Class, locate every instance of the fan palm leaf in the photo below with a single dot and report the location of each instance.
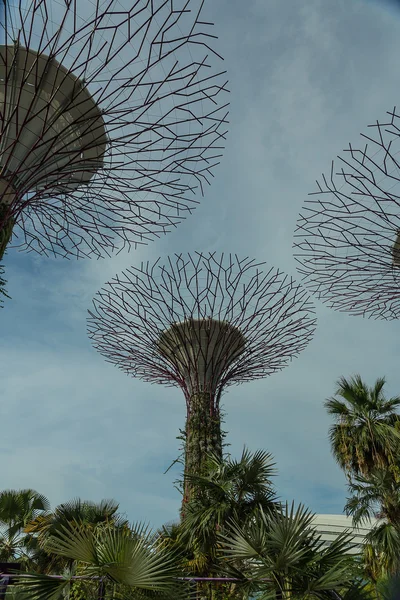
(285, 551)
(19, 507)
(75, 511)
(229, 489)
(127, 558)
(42, 587)
(277, 539)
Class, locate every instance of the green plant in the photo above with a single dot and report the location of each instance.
(17, 509)
(364, 435)
(285, 557)
(228, 489)
(129, 560)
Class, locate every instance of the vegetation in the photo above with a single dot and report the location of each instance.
(284, 549)
(229, 490)
(93, 542)
(365, 443)
(6, 229)
(203, 435)
(234, 526)
(5, 236)
(17, 510)
(364, 435)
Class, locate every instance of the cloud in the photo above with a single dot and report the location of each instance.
(305, 79)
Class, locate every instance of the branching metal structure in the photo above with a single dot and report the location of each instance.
(201, 322)
(347, 240)
(112, 118)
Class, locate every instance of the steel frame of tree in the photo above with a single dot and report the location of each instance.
(347, 239)
(112, 118)
(201, 322)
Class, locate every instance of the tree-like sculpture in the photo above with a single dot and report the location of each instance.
(110, 121)
(347, 240)
(201, 322)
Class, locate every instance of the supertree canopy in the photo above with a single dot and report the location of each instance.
(201, 322)
(347, 240)
(112, 117)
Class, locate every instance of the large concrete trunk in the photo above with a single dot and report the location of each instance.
(201, 352)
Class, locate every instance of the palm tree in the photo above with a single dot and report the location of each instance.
(285, 557)
(75, 511)
(229, 489)
(17, 509)
(364, 435)
(378, 495)
(128, 562)
(46, 526)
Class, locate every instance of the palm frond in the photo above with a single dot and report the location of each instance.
(126, 557)
(42, 587)
(74, 541)
(21, 505)
(336, 407)
(385, 538)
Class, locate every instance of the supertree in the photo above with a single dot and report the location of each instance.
(201, 322)
(110, 121)
(347, 241)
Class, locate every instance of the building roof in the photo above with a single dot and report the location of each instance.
(330, 526)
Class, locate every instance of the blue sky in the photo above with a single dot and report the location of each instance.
(305, 79)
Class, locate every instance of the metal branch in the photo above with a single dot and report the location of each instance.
(268, 308)
(201, 322)
(112, 119)
(347, 239)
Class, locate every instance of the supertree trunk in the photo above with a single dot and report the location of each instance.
(203, 435)
(5, 231)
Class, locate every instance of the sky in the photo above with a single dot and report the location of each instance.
(305, 79)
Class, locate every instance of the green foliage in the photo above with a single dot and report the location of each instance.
(203, 435)
(123, 556)
(235, 527)
(92, 515)
(229, 490)
(378, 493)
(286, 557)
(5, 236)
(366, 443)
(179, 483)
(76, 511)
(364, 435)
(17, 509)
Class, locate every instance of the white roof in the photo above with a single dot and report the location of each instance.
(330, 526)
